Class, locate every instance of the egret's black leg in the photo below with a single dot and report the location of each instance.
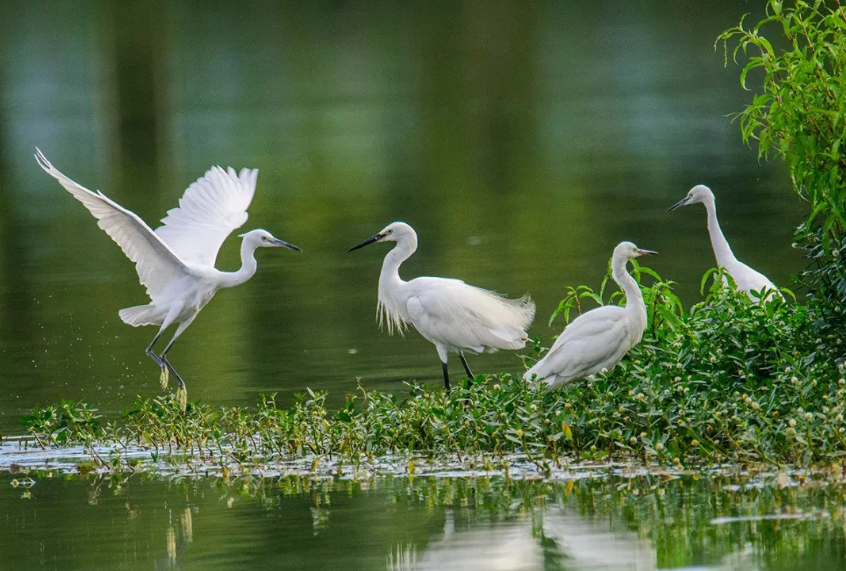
(170, 367)
(446, 377)
(152, 355)
(182, 327)
(159, 361)
(173, 372)
(466, 367)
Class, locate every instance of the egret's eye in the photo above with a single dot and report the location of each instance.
(389, 231)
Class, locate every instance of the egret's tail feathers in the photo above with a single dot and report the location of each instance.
(517, 336)
(523, 308)
(499, 311)
(532, 374)
(540, 375)
(139, 315)
(506, 319)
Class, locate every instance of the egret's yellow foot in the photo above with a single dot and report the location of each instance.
(164, 378)
(182, 397)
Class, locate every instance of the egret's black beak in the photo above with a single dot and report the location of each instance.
(283, 244)
(681, 202)
(647, 252)
(370, 240)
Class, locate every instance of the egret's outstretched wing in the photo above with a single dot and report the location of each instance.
(156, 264)
(211, 208)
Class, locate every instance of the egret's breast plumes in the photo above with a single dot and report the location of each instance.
(390, 316)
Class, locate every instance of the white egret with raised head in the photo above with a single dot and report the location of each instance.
(598, 339)
(747, 279)
(454, 316)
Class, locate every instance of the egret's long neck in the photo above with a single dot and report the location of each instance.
(406, 246)
(634, 299)
(722, 250)
(248, 266)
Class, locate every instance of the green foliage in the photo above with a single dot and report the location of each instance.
(799, 115)
(68, 423)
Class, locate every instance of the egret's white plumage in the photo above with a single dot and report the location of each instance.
(599, 338)
(451, 314)
(175, 263)
(210, 209)
(747, 279)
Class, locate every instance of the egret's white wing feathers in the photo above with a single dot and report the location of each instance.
(748, 279)
(209, 210)
(156, 264)
(465, 317)
(587, 346)
(601, 337)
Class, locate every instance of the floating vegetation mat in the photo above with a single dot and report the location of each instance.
(634, 417)
(22, 456)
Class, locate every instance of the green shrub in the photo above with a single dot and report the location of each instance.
(798, 113)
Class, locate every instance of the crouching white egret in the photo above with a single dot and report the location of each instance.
(747, 279)
(599, 338)
(451, 314)
(176, 261)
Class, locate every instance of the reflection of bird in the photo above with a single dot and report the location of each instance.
(176, 262)
(449, 313)
(595, 543)
(508, 545)
(598, 339)
(747, 279)
(548, 539)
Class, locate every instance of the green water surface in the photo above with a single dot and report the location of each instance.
(604, 522)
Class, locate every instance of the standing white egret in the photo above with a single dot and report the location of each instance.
(449, 313)
(176, 261)
(599, 338)
(747, 279)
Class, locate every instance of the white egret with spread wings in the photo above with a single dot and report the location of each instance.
(453, 315)
(176, 261)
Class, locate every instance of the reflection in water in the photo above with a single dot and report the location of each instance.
(604, 523)
(552, 535)
(503, 547)
(588, 544)
(177, 543)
